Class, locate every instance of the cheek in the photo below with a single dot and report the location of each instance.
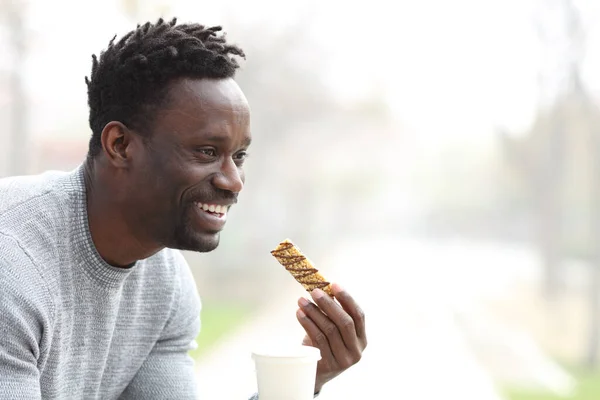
(166, 174)
(195, 174)
(158, 187)
(161, 179)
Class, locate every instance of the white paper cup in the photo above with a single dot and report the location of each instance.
(286, 373)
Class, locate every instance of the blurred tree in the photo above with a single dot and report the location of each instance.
(541, 156)
(12, 14)
(560, 161)
(594, 290)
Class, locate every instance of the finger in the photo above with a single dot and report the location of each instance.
(316, 337)
(357, 314)
(326, 328)
(342, 320)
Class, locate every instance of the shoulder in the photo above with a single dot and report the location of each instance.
(22, 286)
(35, 220)
(18, 190)
(35, 208)
(17, 264)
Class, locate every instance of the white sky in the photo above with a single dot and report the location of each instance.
(448, 68)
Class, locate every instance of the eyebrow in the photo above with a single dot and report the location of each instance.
(221, 139)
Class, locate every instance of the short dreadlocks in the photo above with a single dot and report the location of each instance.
(129, 80)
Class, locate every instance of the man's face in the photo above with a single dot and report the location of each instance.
(190, 169)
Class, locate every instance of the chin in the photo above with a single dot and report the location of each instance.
(198, 242)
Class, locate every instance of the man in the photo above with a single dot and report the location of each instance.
(96, 303)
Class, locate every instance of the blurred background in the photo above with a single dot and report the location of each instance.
(441, 160)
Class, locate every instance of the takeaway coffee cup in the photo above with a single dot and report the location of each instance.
(286, 373)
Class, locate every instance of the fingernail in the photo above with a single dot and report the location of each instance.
(317, 293)
(300, 314)
(337, 287)
(303, 302)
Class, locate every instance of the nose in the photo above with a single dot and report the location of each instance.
(230, 177)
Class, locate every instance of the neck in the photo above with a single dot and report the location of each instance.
(116, 239)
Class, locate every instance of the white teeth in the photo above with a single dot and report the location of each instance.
(219, 209)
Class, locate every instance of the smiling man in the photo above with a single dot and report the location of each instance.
(97, 302)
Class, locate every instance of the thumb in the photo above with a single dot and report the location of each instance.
(306, 341)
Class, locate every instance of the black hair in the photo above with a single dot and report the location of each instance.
(130, 79)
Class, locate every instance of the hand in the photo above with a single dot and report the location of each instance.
(338, 330)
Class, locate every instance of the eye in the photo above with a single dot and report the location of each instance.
(240, 157)
(207, 152)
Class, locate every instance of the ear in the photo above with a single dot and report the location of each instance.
(116, 141)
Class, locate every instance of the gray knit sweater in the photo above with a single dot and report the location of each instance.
(72, 326)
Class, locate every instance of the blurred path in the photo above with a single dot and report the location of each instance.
(415, 351)
(413, 293)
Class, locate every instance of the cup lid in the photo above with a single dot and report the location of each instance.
(289, 352)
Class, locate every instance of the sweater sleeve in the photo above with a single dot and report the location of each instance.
(22, 311)
(168, 372)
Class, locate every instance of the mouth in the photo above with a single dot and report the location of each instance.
(215, 210)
